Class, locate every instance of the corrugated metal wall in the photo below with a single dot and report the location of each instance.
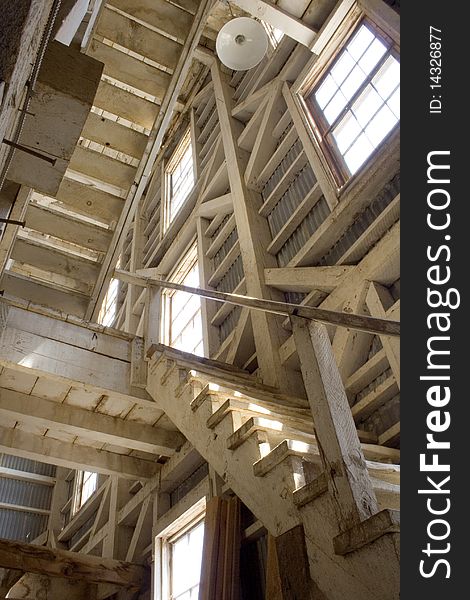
(22, 525)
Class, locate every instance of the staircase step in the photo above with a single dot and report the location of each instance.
(308, 452)
(269, 426)
(382, 523)
(247, 407)
(310, 491)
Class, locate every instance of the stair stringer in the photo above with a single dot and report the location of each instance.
(368, 573)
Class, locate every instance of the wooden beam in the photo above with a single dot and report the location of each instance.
(7, 473)
(379, 300)
(73, 456)
(279, 19)
(71, 565)
(87, 424)
(306, 279)
(359, 322)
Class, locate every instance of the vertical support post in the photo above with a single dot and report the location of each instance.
(348, 479)
(133, 291)
(152, 317)
(254, 237)
(209, 308)
(59, 498)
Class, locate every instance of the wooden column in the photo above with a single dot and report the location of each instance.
(348, 479)
(287, 569)
(254, 237)
(133, 292)
(211, 333)
(59, 498)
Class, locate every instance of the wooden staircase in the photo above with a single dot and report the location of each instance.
(263, 444)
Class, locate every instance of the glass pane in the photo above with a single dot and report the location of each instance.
(342, 68)
(335, 106)
(360, 42)
(387, 78)
(367, 105)
(381, 124)
(346, 132)
(325, 92)
(358, 153)
(394, 103)
(372, 56)
(353, 82)
(186, 556)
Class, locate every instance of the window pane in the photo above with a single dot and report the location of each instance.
(186, 557)
(360, 42)
(394, 103)
(387, 78)
(372, 56)
(353, 82)
(346, 132)
(335, 106)
(367, 105)
(325, 91)
(342, 68)
(381, 124)
(358, 153)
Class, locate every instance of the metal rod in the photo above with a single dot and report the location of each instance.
(48, 159)
(13, 222)
(329, 317)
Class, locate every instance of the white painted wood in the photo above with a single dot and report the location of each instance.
(35, 447)
(87, 424)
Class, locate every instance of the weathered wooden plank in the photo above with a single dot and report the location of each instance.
(305, 279)
(90, 201)
(62, 563)
(31, 252)
(102, 167)
(72, 456)
(114, 135)
(65, 227)
(125, 104)
(130, 70)
(334, 425)
(40, 292)
(89, 425)
(160, 14)
(142, 40)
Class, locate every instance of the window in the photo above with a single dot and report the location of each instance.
(182, 311)
(356, 103)
(178, 555)
(185, 563)
(85, 485)
(179, 178)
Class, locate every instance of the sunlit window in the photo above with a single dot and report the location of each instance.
(185, 564)
(356, 104)
(179, 178)
(182, 311)
(86, 483)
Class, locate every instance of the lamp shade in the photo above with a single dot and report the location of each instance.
(241, 43)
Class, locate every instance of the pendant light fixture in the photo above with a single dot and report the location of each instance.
(241, 43)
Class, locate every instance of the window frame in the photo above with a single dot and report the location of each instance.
(79, 483)
(184, 266)
(170, 167)
(327, 48)
(181, 525)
